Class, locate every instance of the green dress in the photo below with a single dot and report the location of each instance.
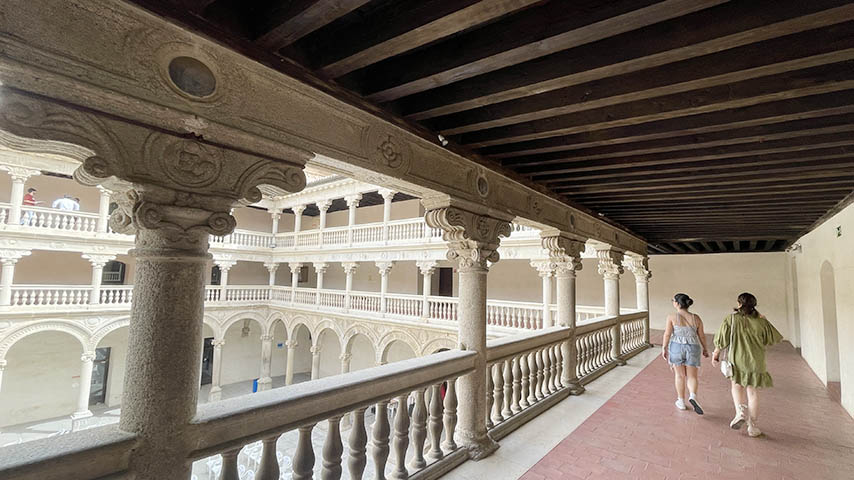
(752, 335)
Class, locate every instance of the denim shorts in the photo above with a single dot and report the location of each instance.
(684, 354)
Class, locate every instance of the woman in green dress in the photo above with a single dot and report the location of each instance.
(750, 335)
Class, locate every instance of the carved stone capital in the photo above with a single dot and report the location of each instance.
(324, 205)
(345, 357)
(427, 267)
(20, 174)
(218, 343)
(314, 349)
(384, 267)
(295, 267)
(565, 252)
(224, 262)
(321, 267)
(87, 357)
(9, 256)
(292, 344)
(473, 239)
(639, 266)
(98, 261)
(349, 267)
(271, 267)
(353, 200)
(545, 268)
(387, 194)
(298, 209)
(104, 191)
(182, 186)
(610, 263)
(275, 215)
(266, 338)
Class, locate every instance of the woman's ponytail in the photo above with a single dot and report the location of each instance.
(747, 305)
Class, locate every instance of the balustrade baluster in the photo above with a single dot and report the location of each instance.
(557, 361)
(401, 438)
(332, 451)
(303, 460)
(540, 375)
(516, 374)
(269, 468)
(358, 440)
(532, 385)
(525, 372)
(419, 431)
(490, 396)
(450, 416)
(16, 296)
(229, 465)
(435, 425)
(547, 373)
(497, 371)
(379, 447)
(552, 369)
(506, 368)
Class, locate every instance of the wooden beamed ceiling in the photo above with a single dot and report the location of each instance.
(703, 125)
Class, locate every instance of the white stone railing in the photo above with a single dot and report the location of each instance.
(594, 341)
(47, 295)
(116, 294)
(225, 428)
(632, 328)
(54, 219)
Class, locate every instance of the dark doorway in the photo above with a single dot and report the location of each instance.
(113, 274)
(216, 275)
(100, 374)
(207, 361)
(446, 282)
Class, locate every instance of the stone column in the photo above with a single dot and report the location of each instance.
(289, 368)
(349, 270)
(384, 269)
(611, 267)
(295, 268)
(565, 252)
(265, 382)
(545, 269)
(352, 204)
(320, 269)
(272, 267)
(85, 386)
(98, 262)
(388, 196)
(345, 362)
(640, 268)
(16, 199)
(472, 241)
(275, 215)
(103, 209)
(427, 269)
(224, 267)
(181, 194)
(216, 371)
(315, 361)
(8, 258)
(297, 222)
(323, 206)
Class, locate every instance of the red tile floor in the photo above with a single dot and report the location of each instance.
(639, 434)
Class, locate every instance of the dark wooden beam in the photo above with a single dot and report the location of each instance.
(675, 193)
(295, 19)
(537, 32)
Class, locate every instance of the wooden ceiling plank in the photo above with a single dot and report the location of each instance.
(691, 193)
(717, 29)
(537, 32)
(839, 103)
(819, 80)
(695, 74)
(302, 17)
(473, 15)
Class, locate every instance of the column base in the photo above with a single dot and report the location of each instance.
(265, 383)
(479, 447)
(215, 394)
(620, 362)
(81, 415)
(576, 388)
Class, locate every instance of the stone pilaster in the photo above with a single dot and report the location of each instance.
(473, 241)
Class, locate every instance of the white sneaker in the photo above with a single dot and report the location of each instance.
(752, 429)
(680, 404)
(740, 418)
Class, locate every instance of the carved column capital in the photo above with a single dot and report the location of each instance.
(321, 267)
(275, 215)
(10, 256)
(427, 267)
(271, 266)
(266, 338)
(218, 343)
(545, 268)
(353, 200)
(639, 266)
(295, 267)
(87, 357)
(323, 205)
(314, 349)
(20, 174)
(349, 267)
(610, 262)
(224, 264)
(98, 260)
(564, 251)
(104, 190)
(345, 357)
(298, 209)
(291, 344)
(384, 267)
(473, 239)
(387, 194)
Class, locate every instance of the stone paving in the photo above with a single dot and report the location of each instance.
(638, 433)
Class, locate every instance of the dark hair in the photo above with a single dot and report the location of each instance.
(683, 300)
(748, 305)
(31, 190)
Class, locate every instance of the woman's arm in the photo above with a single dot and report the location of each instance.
(668, 331)
(702, 335)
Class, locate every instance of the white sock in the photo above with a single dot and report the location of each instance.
(691, 397)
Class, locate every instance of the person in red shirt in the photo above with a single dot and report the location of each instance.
(29, 201)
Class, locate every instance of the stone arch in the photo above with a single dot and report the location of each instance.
(322, 327)
(71, 328)
(272, 321)
(259, 319)
(396, 336)
(350, 334)
(438, 345)
(106, 329)
(831, 329)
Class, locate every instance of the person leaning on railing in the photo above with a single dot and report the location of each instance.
(746, 333)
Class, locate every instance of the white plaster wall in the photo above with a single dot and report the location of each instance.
(41, 379)
(249, 273)
(241, 356)
(364, 354)
(279, 362)
(118, 342)
(371, 214)
(53, 268)
(254, 219)
(399, 351)
(819, 246)
(714, 281)
(302, 354)
(330, 355)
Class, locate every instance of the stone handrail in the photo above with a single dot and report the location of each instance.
(226, 427)
(93, 453)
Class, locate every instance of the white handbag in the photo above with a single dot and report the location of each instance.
(726, 364)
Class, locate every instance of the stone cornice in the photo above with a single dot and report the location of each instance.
(252, 108)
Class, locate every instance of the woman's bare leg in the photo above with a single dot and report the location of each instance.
(753, 402)
(679, 371)
(738, 396)
(693, 380)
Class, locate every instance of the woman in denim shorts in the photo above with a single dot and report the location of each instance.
(684, 342)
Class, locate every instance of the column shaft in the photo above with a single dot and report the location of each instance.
(16, 200)
(289, 368)
(216, 373)
(85, 386)
(315, 363)
(103, 210)
(265, 382)
(7, 275)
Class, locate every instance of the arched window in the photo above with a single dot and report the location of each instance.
(113, 274)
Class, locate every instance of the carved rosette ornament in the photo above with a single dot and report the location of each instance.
(472, 239)
(565, 252)
(610, 263)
